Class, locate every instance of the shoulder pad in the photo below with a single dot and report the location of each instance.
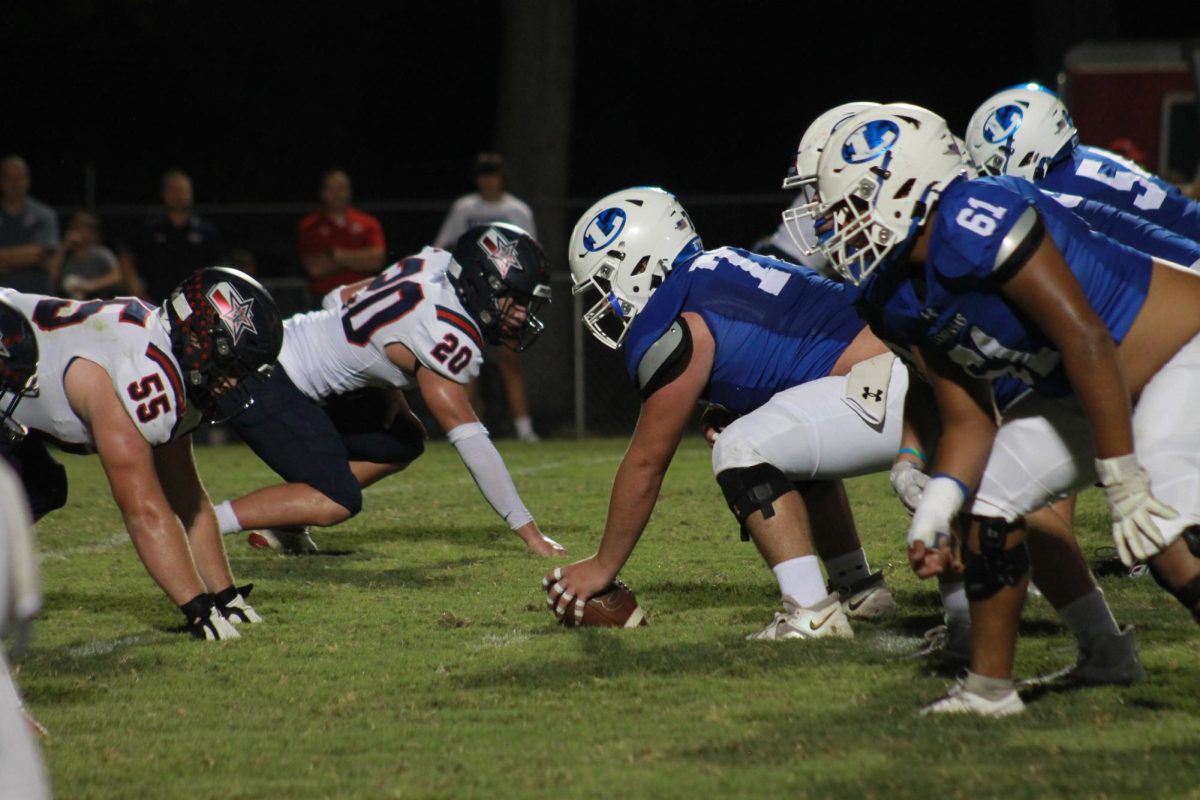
(1022, 239)
(665, 359)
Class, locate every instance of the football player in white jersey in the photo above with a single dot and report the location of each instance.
(421, 324)
(130, 382)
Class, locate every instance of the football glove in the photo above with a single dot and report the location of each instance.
(940, 501)
(1132, 508)
(233, 606)
(204, 620)
(908, 482)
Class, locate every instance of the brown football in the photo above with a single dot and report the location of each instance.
(615, 607)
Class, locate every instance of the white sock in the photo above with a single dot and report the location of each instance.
(954, 601)
(847, 568)
(1088, 617)
(524, 426)
(227, 520)
(801, 579)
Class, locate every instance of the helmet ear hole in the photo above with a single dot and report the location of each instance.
(641, 266)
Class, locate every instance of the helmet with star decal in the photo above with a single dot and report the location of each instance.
(502, 278)
(225, 328)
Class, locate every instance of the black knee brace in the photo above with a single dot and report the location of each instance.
(993, 567)
(750, 489)
(1191, 536)
(1188, 595)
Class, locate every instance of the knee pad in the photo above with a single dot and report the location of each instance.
(750, 489)
(991, 569)
(1188, 595)
(1191, 536)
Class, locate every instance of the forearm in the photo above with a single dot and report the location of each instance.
(161, 545)
(365, 259)
(1099, 385)
(634, 495)
(23, 255)
(208, 551)
(481, 458)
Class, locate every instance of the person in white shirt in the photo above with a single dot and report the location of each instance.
(492, 204)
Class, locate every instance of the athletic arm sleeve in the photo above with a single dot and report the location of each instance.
(475, 448)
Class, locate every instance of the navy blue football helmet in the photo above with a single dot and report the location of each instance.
(497, 261)
(224, 325)
(18, 368)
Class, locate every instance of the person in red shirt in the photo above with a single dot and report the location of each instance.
(339, 244)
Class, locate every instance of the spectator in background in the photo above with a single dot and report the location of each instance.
(28, 232)
(492, 204)
(88, 270)
(174, 244)
(339, 244)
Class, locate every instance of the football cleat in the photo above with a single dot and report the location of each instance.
(949, 645)
(233, 606)
(961, 701)
(867, 598)
(1111, 659)
(825, 619)
(293, 541)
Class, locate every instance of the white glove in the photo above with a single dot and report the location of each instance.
(1132, 508)
(940, 502)
(908, 482)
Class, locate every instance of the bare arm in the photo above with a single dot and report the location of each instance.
(177, 473)
(1046, 290)
(128, 461)
(362, 259)
(639, 478)
(24, 255)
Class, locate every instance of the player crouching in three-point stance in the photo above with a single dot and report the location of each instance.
(819, 399)
(421, 324)
(130, 382)
(991, 277)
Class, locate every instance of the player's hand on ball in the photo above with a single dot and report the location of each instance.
(569, 588)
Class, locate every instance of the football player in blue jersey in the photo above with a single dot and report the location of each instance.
(1027, 132)
(817, 398)
(991, 277)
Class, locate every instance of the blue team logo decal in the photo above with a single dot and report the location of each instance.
(603, 229)
(870, 141)
(1003, 123)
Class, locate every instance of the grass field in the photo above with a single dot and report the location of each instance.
(419, 660)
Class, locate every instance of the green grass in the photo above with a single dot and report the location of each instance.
(422, 662)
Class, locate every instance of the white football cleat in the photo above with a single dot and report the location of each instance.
(961, 701)
(824, 619)
(867, 598)
(293, 541)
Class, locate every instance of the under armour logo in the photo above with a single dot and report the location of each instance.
(876, 395)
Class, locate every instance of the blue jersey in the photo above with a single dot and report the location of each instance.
(776, 325)
(1106, 177)
(1137, 232)
(952, 302)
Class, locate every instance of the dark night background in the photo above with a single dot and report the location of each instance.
(256, 99)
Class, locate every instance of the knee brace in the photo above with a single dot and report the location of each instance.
(1191, 536)
(993, 567)
(1188, 595)
(750, 489)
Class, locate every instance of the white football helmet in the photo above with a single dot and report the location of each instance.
(1020, 131)
(803, 175)
(624, 246)
(877, 179)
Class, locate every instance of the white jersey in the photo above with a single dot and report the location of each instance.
(472, 210)
(129, 340)
(412, 303)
